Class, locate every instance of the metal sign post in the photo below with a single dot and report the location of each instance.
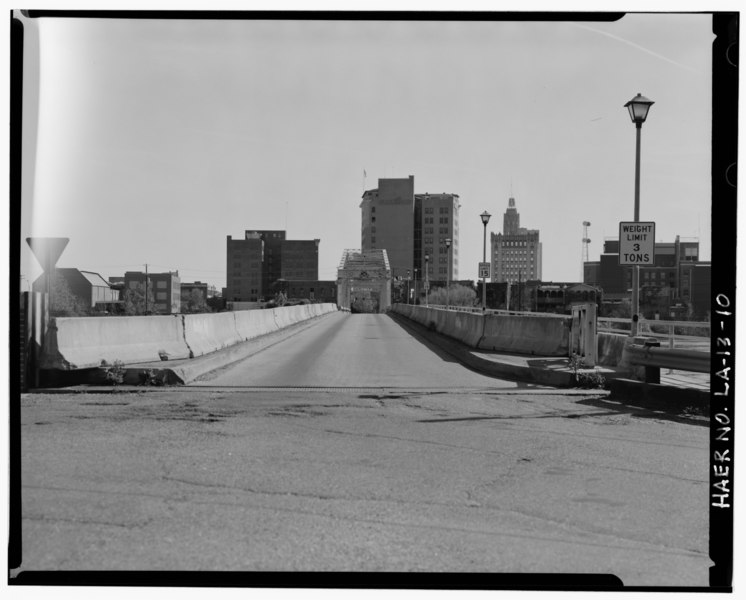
(484, 273)
(636, 247)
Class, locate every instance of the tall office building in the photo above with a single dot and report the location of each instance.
(257, 261)
(388, 222)
(516, 252)
(436, 220)
(409, 226)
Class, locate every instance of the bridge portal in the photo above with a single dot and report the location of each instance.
(364, 281)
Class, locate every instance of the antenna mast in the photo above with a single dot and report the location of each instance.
(584, 253)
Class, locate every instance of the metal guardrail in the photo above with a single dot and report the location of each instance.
(680, 360)
(495, 311)
(667, 332)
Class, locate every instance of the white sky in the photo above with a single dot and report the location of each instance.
(157, 139)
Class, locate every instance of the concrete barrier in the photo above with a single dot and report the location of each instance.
(206, 332)
(610, 348)
(542, 336)
(253, 323)
(525, 334)
(86, 342)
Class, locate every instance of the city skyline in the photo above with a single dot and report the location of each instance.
(181, 133)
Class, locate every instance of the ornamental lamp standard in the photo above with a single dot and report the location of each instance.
(638, 109)
(485, 216)
(448, 273)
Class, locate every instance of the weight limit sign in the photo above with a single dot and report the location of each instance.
(637, 243)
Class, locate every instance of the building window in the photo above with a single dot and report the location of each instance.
(161, 285)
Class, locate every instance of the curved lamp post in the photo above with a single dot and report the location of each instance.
(638, 109)
(485, 216)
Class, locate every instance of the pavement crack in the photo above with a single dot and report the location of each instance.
(85, 521)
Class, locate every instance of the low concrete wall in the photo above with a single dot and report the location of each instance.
(542, 336)
(87, 342)
(205, 333)
(611, 348)
(530, 334)
(253, 323)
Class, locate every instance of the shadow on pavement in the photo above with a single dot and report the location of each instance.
(443, 345)
(660, 410)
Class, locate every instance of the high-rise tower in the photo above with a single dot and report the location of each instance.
(516, 252)
(410, 226)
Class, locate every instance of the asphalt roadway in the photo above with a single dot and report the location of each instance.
(354, 446)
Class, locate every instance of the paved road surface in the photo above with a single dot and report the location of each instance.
(500, 479)
(343, 350)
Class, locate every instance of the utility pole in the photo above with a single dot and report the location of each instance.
(146, 288)
(520, 291)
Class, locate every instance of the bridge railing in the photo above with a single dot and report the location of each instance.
(494, 311)
(646, 353)
(691, 335)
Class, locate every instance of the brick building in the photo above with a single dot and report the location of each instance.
(164, 287)
(262, 257)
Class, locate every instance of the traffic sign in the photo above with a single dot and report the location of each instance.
(637, 243)
(484, 270)
(47, 250)
(427, 285)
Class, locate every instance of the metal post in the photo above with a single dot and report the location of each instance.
(427, 278)
(448, 274)
(520, 292)
(484, 260)
(634, 327)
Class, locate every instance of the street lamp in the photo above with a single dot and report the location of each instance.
(485, 216)
(414, 300)
(408, 292)
(638, 109)
(448, 273)
(427, 277)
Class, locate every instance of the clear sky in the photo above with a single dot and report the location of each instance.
(154, 140)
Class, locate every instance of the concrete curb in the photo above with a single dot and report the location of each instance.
(618, 385)
(466, 356)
